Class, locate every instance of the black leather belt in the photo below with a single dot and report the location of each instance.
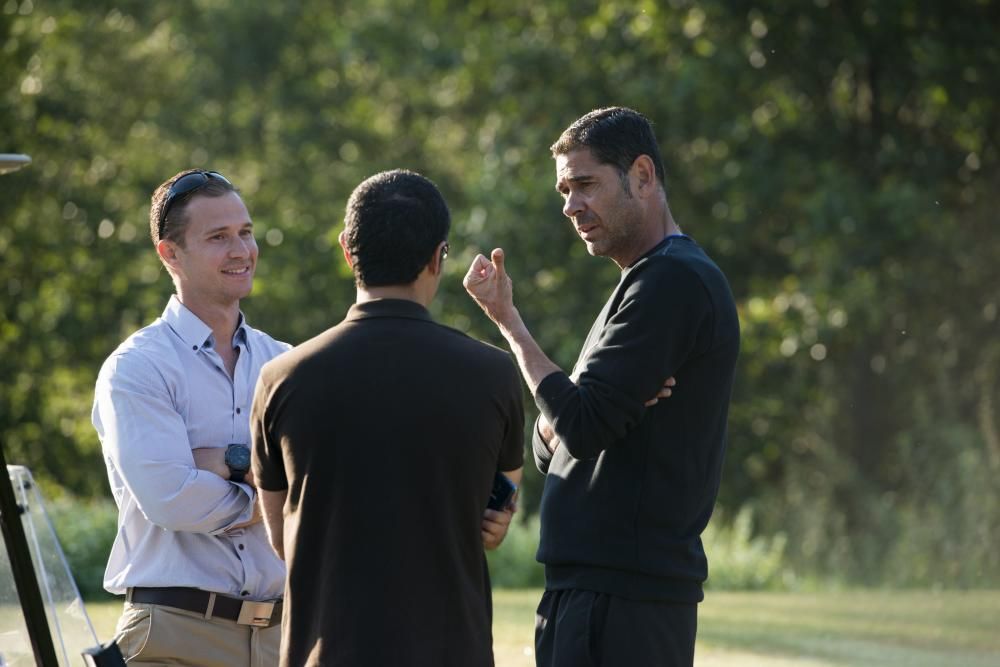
(211, 605)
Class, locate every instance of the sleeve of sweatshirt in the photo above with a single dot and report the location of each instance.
(646, 339)
(540, 450)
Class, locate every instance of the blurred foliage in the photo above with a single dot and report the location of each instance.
(740, 560)
(838, 159)
(86, 531)
(513, 565)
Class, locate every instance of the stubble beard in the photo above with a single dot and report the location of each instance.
(620, 236)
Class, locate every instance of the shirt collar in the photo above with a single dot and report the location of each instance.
(191, 329)
(388, 308)
(659, 247)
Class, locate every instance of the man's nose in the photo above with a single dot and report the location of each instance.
(240, 247)
(573, 206)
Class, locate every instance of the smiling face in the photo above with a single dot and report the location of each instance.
(606, 215)
(215, 265)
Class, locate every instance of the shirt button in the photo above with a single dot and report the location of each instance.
(194, 347)
(244, 593)
(241, 547)
(237, 410)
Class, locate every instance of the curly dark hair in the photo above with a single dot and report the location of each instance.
(394, 222)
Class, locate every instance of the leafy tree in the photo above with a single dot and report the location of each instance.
(838, 159)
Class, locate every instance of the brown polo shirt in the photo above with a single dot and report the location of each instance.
(386, 431)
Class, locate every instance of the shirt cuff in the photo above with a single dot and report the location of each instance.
(247, 512)
(543, 455)
(552, 392)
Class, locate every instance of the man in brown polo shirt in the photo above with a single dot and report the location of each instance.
(374, 448)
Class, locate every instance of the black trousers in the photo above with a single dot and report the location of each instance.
(575, 628)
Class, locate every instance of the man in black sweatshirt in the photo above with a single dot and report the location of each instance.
(630, 483)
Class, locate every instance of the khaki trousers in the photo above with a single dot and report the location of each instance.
(152, 635)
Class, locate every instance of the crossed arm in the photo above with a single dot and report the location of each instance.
(213, 459)
(146, 440)
(489, 285)
(550, 438)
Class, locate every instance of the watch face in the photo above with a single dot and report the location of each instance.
(238, 457)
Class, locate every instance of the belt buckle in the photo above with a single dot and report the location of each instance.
(255, 613)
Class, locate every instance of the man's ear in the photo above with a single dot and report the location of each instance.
(643, 175)
(436, 265)
(167, 250)
(342, 239)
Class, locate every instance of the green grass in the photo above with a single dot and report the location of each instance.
(841, 629)
(849, 628)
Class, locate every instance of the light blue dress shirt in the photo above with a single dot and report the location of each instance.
(162, 393)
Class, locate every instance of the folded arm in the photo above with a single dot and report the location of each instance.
(146, 440)
(627, 367)
(213, 459)
(654, 328)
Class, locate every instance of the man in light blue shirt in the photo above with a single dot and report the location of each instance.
(171, 408)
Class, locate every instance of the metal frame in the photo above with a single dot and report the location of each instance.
(28, 592)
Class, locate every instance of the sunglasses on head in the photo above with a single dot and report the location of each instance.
(185, 185)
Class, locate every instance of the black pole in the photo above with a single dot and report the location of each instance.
(28, 591)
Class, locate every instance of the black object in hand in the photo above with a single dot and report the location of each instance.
(502, 495)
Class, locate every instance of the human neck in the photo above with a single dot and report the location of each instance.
(655, 232)
(411, 292)
(669, 226)
(221, 318)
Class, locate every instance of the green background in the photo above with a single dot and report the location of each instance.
(839, 160)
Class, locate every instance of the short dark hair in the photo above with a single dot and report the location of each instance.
(177, 219)
(394, 222)
(615, 136)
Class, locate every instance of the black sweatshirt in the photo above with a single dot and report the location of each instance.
(630, 489)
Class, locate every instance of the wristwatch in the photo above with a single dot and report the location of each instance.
(238, 460)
